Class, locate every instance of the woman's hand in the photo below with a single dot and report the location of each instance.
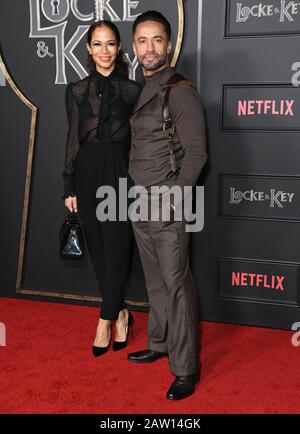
(71, 203)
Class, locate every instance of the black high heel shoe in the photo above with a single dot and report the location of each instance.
(99, 351)
(121, 345)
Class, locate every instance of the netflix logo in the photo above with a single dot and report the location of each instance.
(258, 281)
(265, 107)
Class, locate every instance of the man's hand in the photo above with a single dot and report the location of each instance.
(71, 203)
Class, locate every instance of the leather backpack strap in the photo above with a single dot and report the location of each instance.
(168, 124)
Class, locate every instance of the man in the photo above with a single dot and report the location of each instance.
(173, 314)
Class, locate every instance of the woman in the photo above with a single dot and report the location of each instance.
(97, 149)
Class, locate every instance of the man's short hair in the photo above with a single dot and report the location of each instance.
(153, 16)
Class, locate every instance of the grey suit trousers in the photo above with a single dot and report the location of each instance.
(173, 314)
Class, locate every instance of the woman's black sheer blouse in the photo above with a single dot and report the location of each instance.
(98, 108)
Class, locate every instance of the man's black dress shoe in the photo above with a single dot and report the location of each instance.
(183, 386)
(145, 356)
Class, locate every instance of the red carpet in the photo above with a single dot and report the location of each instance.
(47, 367)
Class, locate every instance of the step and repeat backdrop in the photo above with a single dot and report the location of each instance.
(249, 250)
(244, 58)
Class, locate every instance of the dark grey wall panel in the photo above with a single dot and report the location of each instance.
(265, 107)
(253, 18)
(260, 197)
(258, 281)
(253, 159)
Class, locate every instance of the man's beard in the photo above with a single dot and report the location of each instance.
(161, 60)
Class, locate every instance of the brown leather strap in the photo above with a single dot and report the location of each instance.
(173, 81)
(168, 124)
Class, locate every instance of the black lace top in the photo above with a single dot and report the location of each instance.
(98, 108)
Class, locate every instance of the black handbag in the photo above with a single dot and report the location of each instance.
(71, 240)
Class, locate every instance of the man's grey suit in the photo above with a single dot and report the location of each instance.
(164, 246)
